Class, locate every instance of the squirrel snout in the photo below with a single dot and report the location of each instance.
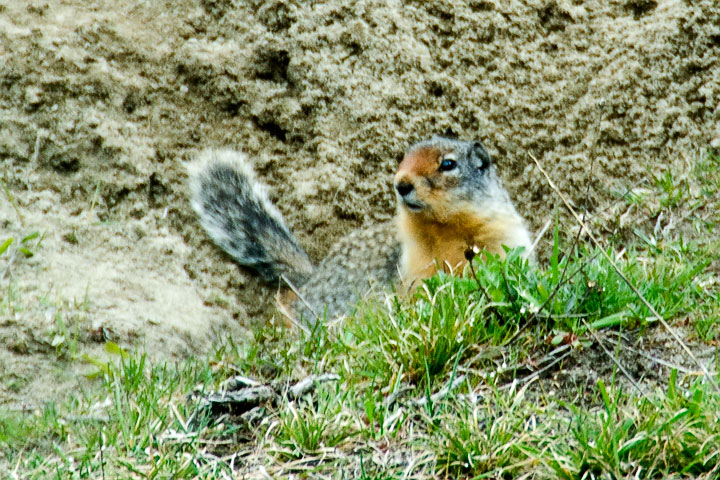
(408, 196)
(404, 188)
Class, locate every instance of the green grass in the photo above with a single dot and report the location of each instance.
(464, 380)
(129, 419)
(484, 329)
(675, 432)
(508, 305)
(306, 428)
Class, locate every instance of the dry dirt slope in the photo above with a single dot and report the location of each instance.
(102, 101)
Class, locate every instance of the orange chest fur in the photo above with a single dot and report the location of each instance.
(429, 245)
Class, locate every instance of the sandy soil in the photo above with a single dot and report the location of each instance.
(101, 103)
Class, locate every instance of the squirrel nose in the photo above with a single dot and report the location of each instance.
(403, 188)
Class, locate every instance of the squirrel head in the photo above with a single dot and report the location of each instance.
(443, 180)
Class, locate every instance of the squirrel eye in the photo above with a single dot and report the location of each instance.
(447, 165)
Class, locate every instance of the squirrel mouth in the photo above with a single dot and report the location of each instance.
(413, 207)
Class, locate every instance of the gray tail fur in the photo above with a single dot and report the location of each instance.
(238, 216)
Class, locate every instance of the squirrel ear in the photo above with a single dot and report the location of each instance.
(480, 155)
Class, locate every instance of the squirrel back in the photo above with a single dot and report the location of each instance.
(362, 265)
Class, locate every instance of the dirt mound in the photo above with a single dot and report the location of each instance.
(101, 103)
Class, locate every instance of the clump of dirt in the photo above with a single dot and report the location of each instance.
(101, 103)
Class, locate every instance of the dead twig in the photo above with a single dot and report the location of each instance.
(243, 396)
(659, 360)
(439, 395)
(537, 373)
(11, 199)
(612, 357)
(470, 254)
(302, 299)
(538, 238)
(308, 384)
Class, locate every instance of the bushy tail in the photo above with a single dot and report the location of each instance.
(237, 214)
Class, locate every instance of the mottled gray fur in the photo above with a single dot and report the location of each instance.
(237, 214)
(360, 266)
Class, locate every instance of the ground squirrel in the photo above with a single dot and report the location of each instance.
(450, 198)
